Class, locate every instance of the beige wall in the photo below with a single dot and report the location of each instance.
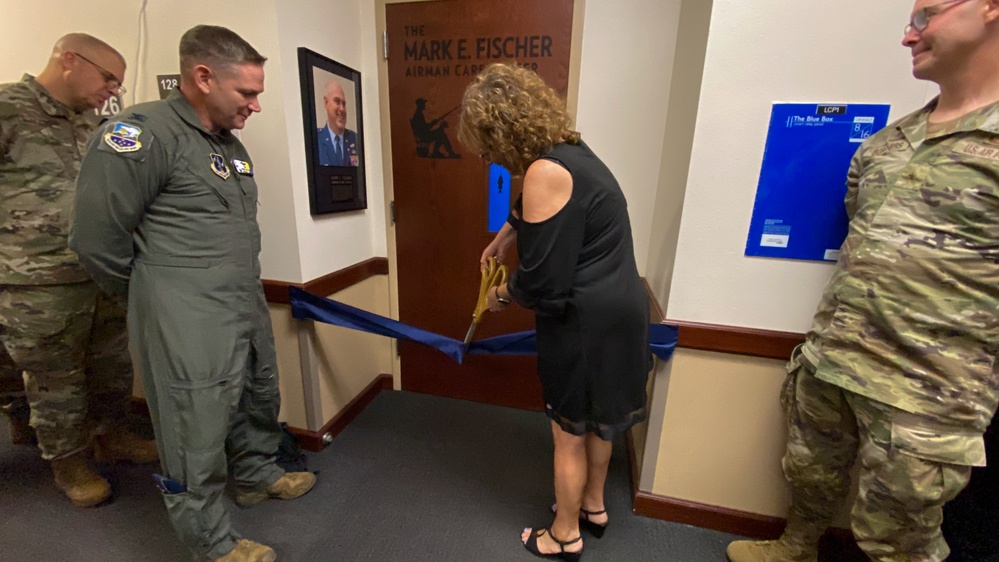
(347, 361)
(289, 366)
(640, 431)
(722, 433)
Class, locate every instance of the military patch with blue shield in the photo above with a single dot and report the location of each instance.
(123, 137)
(219, 166)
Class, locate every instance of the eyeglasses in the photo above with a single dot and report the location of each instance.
(921, 18)
(111, 80)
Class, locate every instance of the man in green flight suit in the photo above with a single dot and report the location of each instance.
(63, 344)
(899, 370)
(166, 221)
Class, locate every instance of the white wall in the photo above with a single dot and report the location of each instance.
(334, 29)
(758, 53)
(30, 29)
(681, 121)
(624, 81)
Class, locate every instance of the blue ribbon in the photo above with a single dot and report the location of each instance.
(306, 306)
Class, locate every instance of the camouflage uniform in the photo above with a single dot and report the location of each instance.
(13, 402)
(69, 340)
(899, 368)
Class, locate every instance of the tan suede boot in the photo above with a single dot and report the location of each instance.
(21, 432)
(83, 486)
(290, 486)
(249, 551)
(121, 445)
(781, 550)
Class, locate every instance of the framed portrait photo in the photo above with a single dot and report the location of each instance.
(334, 133)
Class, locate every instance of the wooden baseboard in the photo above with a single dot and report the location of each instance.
(708, 516)
(837, 544)
(717, 518)
(317, 440)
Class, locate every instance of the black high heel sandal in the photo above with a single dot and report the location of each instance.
(595, 529)
(531, 544)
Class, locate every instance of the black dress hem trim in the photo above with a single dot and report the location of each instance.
(605, 431)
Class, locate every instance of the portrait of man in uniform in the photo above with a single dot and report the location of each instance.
(334, 136)
(336, 121)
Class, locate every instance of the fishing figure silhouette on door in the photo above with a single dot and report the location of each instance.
(431, 136)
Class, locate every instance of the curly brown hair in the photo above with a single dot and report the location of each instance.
(509, 114)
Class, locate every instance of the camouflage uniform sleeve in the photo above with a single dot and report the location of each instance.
(121, 174)
(853, 183)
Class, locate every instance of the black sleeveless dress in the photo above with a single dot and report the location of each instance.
(577, 272)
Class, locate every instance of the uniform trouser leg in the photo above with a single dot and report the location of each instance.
(899, 507)
(256, 433)
(190, 419)
(13, 402)
(821, 449)
(47, 331)
(970, 520)
(108, 364)
(197, 417)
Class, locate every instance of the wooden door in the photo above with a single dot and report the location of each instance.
(441, 191)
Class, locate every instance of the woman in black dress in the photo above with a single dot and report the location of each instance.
(577, 272)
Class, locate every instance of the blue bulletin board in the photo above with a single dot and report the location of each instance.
(799, 211)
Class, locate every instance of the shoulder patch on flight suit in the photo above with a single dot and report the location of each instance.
(124, 139)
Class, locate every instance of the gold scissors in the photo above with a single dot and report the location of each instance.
(493, 275)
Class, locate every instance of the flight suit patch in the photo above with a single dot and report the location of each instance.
(123, 137)
(219, 166)
(242, 167)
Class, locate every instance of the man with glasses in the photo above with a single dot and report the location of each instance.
(57, 330)
(899, 370)
(113, 82)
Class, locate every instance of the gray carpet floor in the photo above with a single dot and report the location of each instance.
(414, 477)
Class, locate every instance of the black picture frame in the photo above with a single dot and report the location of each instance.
(335, 161)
